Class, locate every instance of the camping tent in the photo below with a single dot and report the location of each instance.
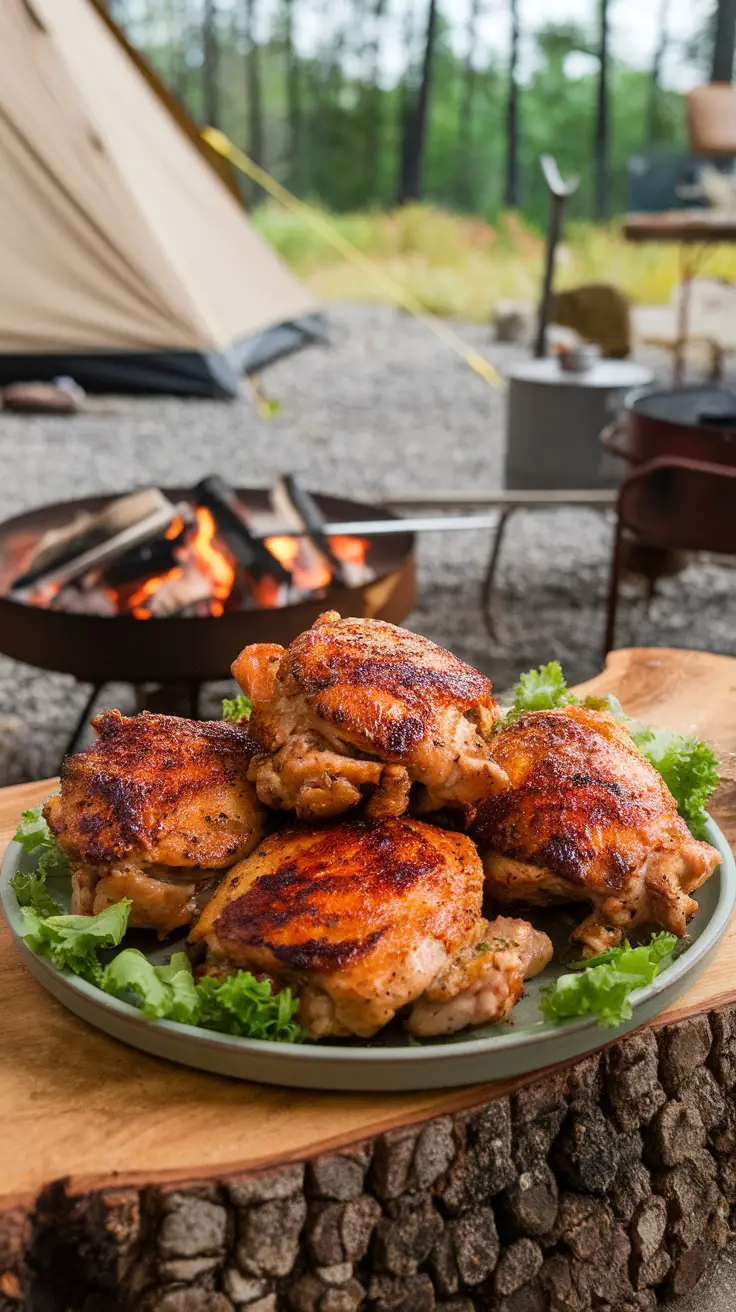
(125, 260)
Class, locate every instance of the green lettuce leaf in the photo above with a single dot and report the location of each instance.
(160, 991)
(30, 891)
(604, 987)
(241, 1004)
(540, 690)
(688, 766)
(72, 942)
(34, 836)
(237, 708)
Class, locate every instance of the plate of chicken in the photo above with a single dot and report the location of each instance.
(370, 876)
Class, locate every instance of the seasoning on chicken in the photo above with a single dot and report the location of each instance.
(155, 810)
(587, 818)
(367, 917)
(358, 709)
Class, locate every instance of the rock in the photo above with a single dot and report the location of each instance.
(517, 1266)
(337, 1177)
(405, 1238)
(545, 1098)
(267, 1304)
(433, 1152)
(653, 1271)
(393, 1294)
(283, 1183)
(242, 1289)
(306, 1294)
(688, 1267)
(682, 1049)
(676, 1133)
(530, 1203)
(632, 1080)
(191, 1227)
(475, 1241)
(587, 1152)
(392, 1159)
(268, 1238)
(341, 1232)
(722, 1059)
(483, 1165)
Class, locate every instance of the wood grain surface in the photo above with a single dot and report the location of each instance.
(75, 1103)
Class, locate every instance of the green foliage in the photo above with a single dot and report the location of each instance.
(36, 839)
(605, 983)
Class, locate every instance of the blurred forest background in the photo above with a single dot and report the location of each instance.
(419, 123)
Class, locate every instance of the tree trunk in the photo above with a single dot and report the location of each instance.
(373, 101)
(416, 134)
(511, 187)
(651, 129)
(601, 142)
(463, 173)
(253, 85)
(293, 98)
(724, 42)
(210, 64)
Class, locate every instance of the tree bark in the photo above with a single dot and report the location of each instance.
(511, 186)
(210, 64)
(724, 42)
(601, 140)
(652, 119)
(416, 127)
(253, 85)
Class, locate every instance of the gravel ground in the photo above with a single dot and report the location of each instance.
(385, 410)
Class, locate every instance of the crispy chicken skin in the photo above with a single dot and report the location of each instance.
(358, 709)
(587, 818)
(365, 917)
(152, 811)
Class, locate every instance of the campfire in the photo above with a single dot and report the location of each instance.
(147, 557)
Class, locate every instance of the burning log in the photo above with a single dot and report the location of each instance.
(229, 515)
(91, 541)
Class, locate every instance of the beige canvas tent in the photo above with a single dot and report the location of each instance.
(125, 259)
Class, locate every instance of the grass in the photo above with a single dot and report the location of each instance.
(462, 266)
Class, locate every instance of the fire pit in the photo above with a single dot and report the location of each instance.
(123, 640)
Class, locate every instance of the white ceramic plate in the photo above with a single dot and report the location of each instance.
(387, 1064)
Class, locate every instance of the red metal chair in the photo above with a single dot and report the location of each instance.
(677, 505)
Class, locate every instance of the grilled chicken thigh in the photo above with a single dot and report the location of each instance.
(154, 811)
(366, 917)
(587, 818)
(358, 708)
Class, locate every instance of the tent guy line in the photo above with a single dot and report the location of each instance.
(399, 294)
